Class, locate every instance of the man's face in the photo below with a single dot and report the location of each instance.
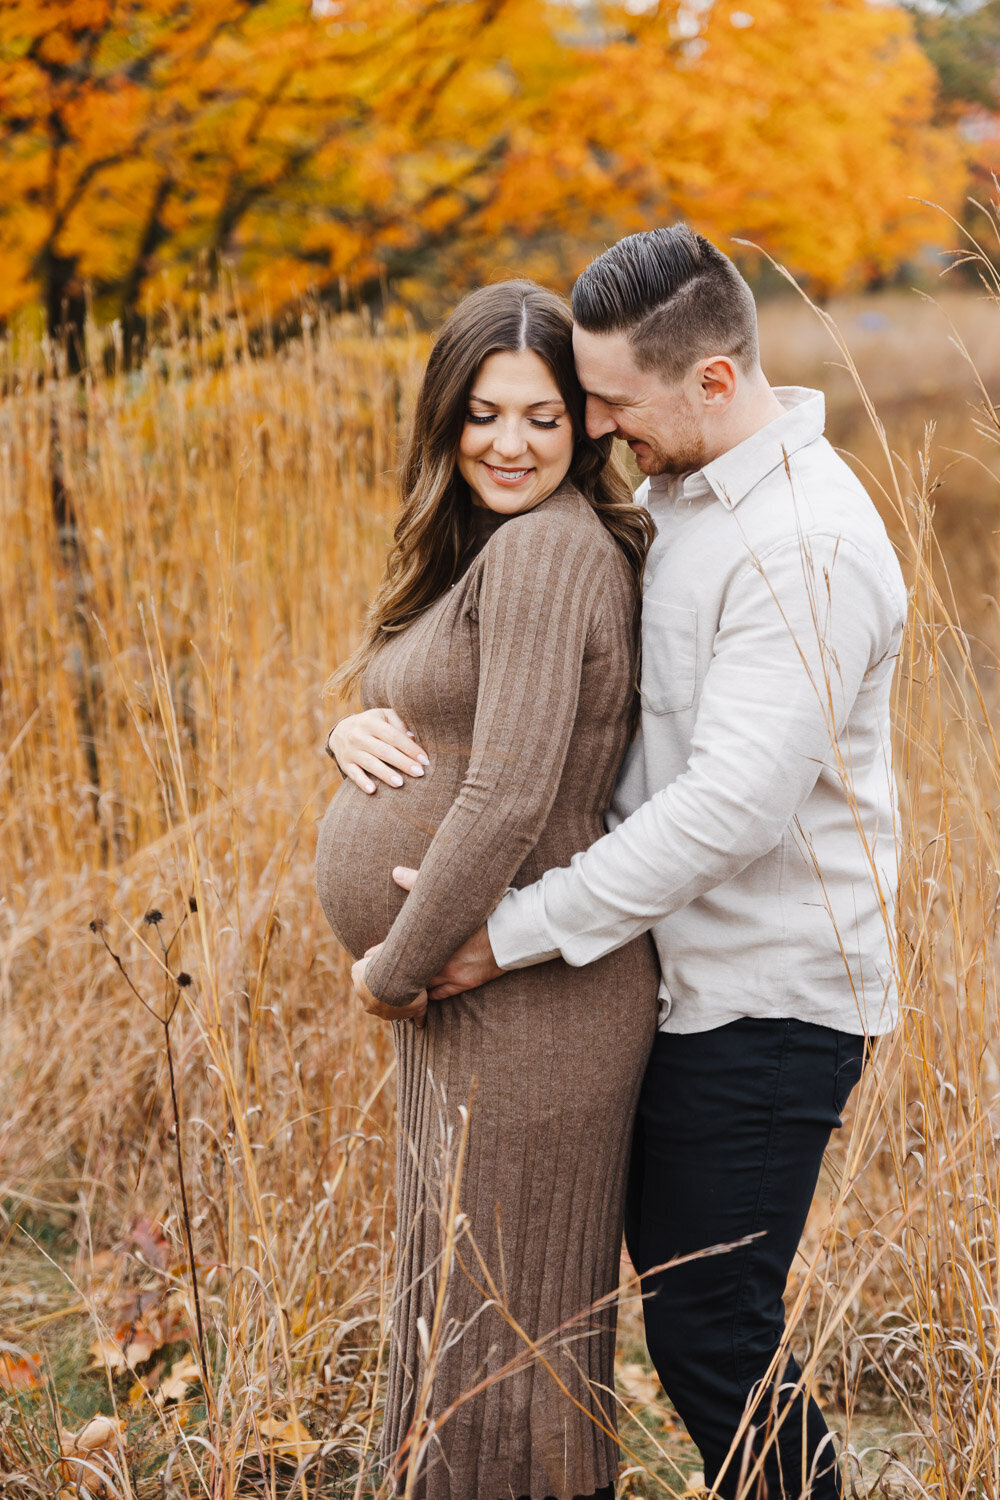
(662, 424)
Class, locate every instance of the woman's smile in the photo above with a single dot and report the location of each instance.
(506, 476)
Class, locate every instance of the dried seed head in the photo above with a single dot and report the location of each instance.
(97, 925)
(183, 979)
(153, 917)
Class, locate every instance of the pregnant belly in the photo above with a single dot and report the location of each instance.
(361, 838)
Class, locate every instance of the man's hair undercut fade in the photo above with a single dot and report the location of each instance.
(675, 296)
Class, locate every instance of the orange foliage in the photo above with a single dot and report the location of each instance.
(359, 140)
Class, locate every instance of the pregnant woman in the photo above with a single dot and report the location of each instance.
(504, 636)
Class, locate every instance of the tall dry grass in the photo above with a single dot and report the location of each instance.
(163, 658)
(162, 674)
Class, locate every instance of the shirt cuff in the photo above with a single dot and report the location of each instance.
(519, 934)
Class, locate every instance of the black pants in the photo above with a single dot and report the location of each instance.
(730, 1135)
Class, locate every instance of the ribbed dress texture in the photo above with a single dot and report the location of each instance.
(518, 683)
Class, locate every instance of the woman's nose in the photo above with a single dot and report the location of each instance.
(508, 440)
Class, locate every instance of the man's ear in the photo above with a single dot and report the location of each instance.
(717, 380)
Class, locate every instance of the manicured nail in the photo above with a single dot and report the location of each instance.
(396, 780)
(369, 786)
(411, 735)
(423, 759)
(416, 770)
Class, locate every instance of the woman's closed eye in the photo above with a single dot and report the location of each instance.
(479, 419)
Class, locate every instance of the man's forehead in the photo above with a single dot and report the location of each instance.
(609, 351)
(606, 364)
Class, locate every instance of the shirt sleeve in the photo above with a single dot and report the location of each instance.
(799, 632)
(537, 597)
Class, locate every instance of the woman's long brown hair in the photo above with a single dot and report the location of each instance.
(432, 535)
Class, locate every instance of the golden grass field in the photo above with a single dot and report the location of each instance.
(164, 654)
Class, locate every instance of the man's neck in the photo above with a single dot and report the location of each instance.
(756, 408)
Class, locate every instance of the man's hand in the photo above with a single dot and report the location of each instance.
(375, 743)
(472, 965)
(416, 1011)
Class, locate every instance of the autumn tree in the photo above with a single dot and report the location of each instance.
(805, 126)
(356, 143)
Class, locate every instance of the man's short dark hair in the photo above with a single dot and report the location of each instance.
(675, 296)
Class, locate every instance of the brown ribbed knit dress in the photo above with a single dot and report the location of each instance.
(518, 684)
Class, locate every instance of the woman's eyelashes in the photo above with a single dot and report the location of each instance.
(479, 419)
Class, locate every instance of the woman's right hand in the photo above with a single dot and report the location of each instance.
(375, 743)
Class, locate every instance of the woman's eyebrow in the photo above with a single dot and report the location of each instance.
(550, 401)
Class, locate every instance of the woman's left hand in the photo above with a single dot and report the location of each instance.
(416, 1011)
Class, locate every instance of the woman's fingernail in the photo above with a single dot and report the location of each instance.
(396, 780)
(410, 734)
(416, 770)
(423, 759)
(369, 787)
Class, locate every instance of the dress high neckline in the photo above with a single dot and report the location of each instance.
(483, 523)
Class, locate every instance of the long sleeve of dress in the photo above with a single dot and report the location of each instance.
(538, 595)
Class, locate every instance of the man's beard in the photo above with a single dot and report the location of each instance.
(687, 455)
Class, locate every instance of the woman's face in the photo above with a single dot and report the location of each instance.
(517, 442)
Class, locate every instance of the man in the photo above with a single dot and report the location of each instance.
(752, 832)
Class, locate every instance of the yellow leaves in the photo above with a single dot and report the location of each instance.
(806, 131)
(483, 130)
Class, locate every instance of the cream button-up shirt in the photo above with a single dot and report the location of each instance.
(753, 829)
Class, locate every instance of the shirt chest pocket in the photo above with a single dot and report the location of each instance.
(669, 657)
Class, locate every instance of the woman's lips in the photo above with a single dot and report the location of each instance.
(507, 477)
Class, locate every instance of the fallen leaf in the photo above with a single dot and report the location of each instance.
(640, 1384)
(182, 1374)
(152, 1243)
(105, 1352)
(20, 1372)
(126, 1350)
(99, 1432)
(88, 1459)
(288, 1438)
(138, 1305)
(140, 1391)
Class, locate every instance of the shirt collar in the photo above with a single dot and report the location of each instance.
(732, 475)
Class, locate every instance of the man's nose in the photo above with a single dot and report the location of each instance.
(598, 419)
(508, 439)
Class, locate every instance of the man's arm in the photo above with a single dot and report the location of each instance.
(798, 634)
(468, 967)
